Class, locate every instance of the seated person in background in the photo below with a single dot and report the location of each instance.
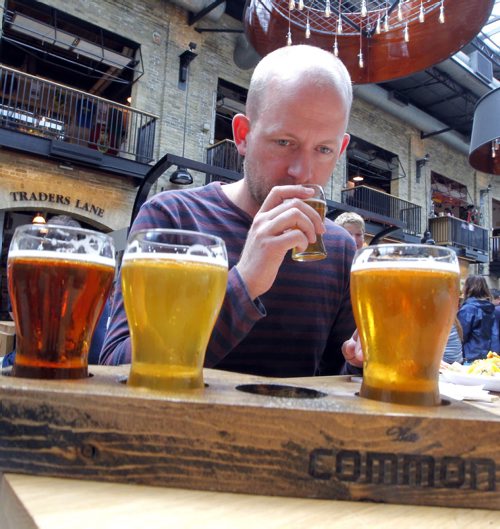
(453, 350)
(98, 336)
(495, 299)
(355, 225)
(279, 317)
(477, 317)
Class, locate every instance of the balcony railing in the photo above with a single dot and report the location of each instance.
(457, 232)
(39, 107)
(224, 154)
(495, 250)
(381, 203)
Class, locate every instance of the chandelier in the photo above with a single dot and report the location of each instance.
(361, 18)
(376, 39)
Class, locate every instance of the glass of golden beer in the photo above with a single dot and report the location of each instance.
(174, 283)
(315, 251)
(59, 279)
(404, 298)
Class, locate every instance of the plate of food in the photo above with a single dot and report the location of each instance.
(484, 372)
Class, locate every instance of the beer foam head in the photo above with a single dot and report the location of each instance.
(62, 256)
(417, 258)
(191, 257)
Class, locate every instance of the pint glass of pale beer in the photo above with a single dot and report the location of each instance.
(173, 282)
(404, 298)
(59, 279)
(316, 250)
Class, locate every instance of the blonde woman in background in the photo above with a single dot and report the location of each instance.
(355, 225)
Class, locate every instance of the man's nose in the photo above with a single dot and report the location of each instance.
(301, 167)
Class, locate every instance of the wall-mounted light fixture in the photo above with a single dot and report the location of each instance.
(181, 176)
(358, 178)
(185, 59)
(421, 162)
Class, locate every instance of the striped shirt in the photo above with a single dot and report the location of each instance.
(295, 329)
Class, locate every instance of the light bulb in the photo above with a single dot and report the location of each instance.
(377, 27)
(406, 34)
(421, 16)
(291, 5)
(441, 13)
(289, 39)
(363, 8)
(301, 5)
(327, 9)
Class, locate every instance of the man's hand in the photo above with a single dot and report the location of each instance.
(283, 222)
(351, 349)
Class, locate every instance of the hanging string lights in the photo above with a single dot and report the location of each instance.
(361, 18)
(377, 40)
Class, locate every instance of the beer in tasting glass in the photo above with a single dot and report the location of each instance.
(314, 251)
(174, 282)
(59, 280)
(404, 298)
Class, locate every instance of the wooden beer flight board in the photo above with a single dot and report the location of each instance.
(308, 437)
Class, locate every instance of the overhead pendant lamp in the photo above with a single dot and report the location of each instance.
(38, 219)
(484, 154)
(181, 177)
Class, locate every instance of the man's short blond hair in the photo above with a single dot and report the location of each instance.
(349, 217)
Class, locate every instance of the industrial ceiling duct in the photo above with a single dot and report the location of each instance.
(195, 6)
(244, 55)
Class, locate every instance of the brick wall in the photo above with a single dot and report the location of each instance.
(36, 184)
(161, 29)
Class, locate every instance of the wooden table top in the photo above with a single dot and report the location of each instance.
(29, 502)
(232, 444)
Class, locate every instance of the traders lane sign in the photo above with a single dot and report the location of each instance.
(54, 198)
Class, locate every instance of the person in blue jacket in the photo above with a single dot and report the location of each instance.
(477, 318)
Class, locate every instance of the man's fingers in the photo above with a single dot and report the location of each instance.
(351, 349)
(279, 194)
(292, 213)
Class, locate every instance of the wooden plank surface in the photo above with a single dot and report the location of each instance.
(29, 502)
(337, 446)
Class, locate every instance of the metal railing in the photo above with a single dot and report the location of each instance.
(381, 203)
(495, 250)
(458, 232)
(224, 154)
(39, 107)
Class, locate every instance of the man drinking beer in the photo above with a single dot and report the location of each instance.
(280, 317)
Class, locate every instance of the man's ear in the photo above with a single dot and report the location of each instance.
(345, 142)
(241, 127)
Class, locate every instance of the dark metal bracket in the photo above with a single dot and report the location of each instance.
(193, 18)
(163, 164)
(424, 135)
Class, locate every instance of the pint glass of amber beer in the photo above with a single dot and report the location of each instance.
(404, 298)
(316, 250)
(59, 280)
(173, 282)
